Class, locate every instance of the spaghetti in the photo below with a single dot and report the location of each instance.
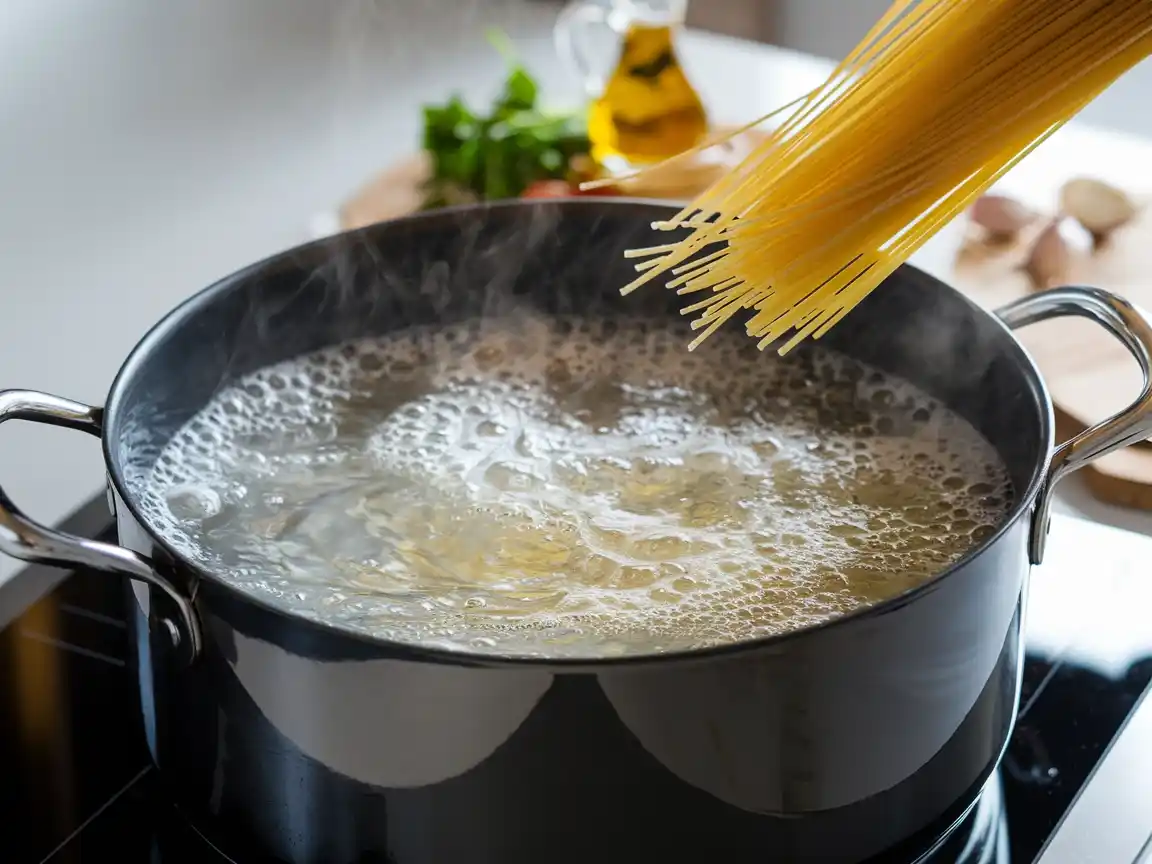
(938, 101)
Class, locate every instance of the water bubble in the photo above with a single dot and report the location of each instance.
(193, 503)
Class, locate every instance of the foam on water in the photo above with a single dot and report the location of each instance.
(566, 488)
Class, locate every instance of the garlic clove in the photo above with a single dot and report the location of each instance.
(1049, 258)
(1002, 218)
(1097, 206)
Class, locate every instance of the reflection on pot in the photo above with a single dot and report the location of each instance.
(399, 724)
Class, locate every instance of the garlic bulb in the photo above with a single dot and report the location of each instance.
(1097, 206)
(1049, 258)
(1002, 218)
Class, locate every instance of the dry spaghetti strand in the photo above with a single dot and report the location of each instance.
(937, 102)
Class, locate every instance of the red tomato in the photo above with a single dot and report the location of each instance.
(548, 189)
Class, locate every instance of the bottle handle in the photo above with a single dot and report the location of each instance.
(570, 35)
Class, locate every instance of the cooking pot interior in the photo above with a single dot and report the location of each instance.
(498, 263)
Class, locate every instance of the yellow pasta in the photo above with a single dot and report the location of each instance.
(938, 101)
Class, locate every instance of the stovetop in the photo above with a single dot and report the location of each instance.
(77, 785)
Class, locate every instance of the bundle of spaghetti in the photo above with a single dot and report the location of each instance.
(938, 101)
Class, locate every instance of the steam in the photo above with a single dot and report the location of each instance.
(388, 58)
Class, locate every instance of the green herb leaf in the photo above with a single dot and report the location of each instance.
(499, 155)
(499, 40)
(519, 94)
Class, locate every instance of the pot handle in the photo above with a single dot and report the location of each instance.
(27, 540)
(1132, 327)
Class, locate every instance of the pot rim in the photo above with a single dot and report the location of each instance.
(174, 318)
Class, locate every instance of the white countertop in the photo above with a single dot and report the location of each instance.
(136, 171)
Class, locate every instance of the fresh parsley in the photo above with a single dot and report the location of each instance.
(499, 154)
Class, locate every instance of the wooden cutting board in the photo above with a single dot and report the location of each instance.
(1090, 375)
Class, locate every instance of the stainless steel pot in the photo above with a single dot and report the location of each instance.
(309, 743)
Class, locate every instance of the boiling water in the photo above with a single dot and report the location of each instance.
(574, 489)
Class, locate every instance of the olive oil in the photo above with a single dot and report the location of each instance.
(648, 110)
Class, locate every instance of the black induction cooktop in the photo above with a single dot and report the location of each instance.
(1075, 784)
